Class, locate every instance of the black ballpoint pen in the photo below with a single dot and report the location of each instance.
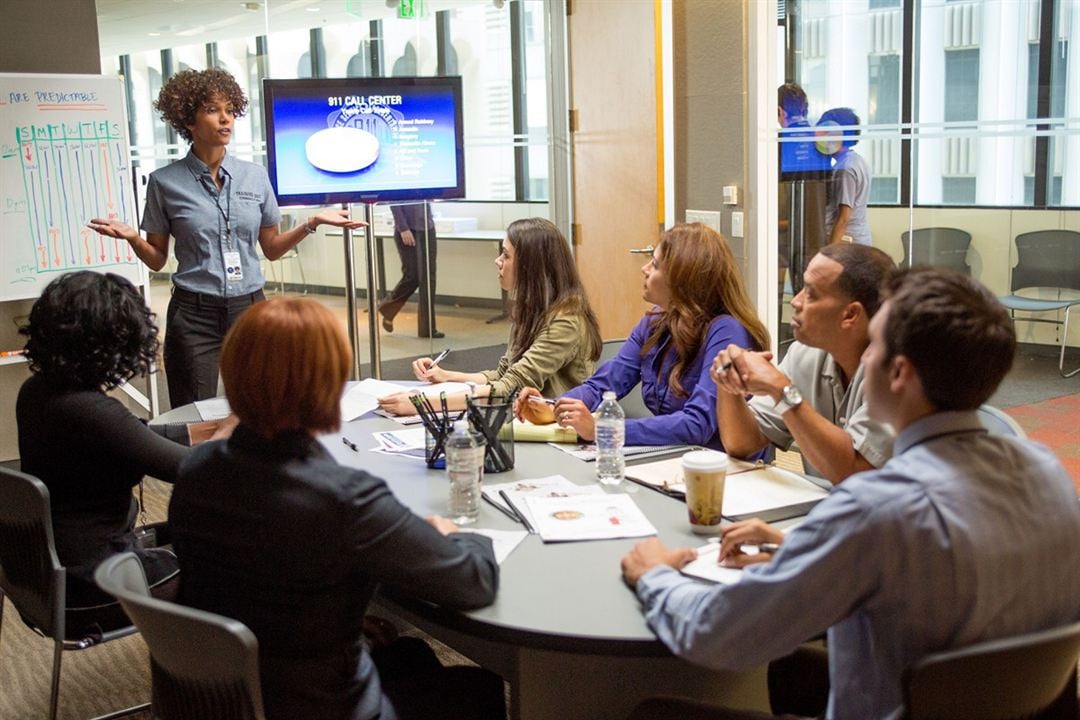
(350, 444)
(521, 515)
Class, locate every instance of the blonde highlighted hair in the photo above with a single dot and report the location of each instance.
(704, 281)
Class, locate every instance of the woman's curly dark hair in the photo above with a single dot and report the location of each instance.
(90, 331)
(187, 91)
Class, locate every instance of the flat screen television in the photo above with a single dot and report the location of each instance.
(800, 155)
(364, 140)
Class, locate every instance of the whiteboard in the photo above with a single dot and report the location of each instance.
(64, 159)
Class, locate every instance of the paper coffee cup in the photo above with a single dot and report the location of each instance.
(704, 472)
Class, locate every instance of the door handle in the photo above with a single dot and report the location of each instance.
(647, 250)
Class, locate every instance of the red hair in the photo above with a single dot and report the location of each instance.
(284, 365)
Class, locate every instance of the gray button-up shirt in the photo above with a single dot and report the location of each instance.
(961, 537)
(817, 376)
(183, 201)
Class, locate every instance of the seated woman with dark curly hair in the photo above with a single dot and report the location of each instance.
(89, 333)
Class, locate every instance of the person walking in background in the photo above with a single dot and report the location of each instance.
(414, 236)
(219, 208)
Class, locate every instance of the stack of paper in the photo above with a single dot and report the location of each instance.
(587, 451)
(510, 497)
(748, 490)
(588, 517)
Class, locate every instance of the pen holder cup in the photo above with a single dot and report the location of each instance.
(435, 444)
(493, 417)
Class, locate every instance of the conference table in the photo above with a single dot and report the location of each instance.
(564, 630)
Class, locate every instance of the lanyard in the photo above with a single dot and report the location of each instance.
(227, 212)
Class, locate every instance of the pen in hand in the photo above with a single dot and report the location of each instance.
(538, 399)
(439, 358)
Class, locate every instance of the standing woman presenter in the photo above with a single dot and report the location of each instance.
(217, 207)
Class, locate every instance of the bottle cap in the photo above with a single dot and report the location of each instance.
(461, 425)
(609, 395)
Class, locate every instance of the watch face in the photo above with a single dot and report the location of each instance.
(792, 395)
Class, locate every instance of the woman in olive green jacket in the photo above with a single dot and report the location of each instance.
(554, 337)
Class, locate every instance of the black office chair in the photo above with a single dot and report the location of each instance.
(1028, 676)
(938, 246)
(1047, 259)
(632, 403)
(33, 578)
(202, 665)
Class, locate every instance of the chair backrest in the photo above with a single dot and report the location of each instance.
(30, 571)
(998, 422)
(1048, 259)
(1005, 679)
(939, 246)
(632, 403)
(202, 665)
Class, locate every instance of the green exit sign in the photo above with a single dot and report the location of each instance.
(410, 8)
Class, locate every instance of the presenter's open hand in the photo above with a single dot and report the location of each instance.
(407, 238)
(573, 413)
(647, 554)
(113, 229)
(747, 532)
(747, 372)
(534, 411)
(397, 404)
(337, 218)
(423, 370)
(442, 524)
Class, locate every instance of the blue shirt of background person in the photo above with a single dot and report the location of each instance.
(700, 303)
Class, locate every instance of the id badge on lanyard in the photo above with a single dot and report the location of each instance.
(234, 269)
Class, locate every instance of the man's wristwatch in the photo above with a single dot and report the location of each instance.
(308, 228)
(790, 397)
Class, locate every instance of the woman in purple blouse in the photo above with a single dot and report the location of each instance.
(700, 304)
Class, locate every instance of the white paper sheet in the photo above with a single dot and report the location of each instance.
(588, 517)
(706, 567)
(363, 397)
(213, 409)
(503, 541)
(550, 486)
(746, 490)
(401, 440)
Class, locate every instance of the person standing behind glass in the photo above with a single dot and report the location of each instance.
(218, 208)
(414, 236)
(849, 190)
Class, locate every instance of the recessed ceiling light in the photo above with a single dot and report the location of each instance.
(154, 34)
(312, 9)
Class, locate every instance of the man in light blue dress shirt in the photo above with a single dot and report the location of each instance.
(961, 537)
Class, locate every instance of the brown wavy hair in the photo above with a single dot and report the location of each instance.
(188, 90)
(284, 364)
(546, 284)
(704, 281)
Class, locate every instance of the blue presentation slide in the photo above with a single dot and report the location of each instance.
(401, 138)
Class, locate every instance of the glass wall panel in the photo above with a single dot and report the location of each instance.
(994, 128)
(505, 147)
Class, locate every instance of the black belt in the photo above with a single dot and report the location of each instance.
(205, 300)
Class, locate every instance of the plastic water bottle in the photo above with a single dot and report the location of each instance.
(465, 469)
(610, 431)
